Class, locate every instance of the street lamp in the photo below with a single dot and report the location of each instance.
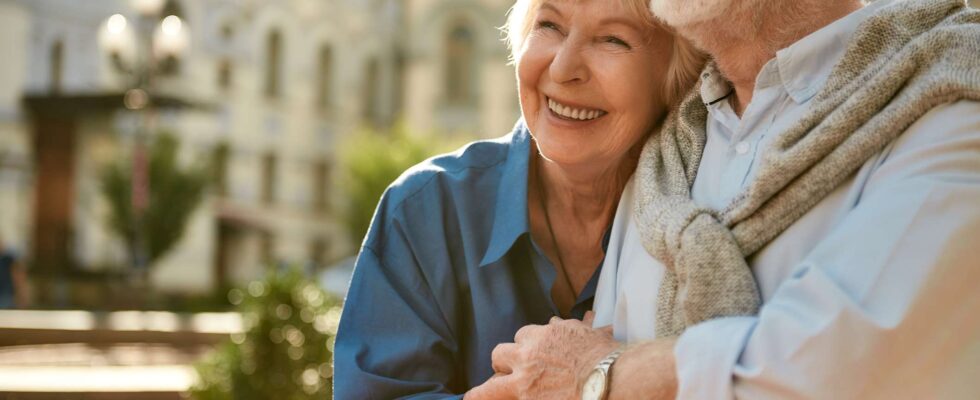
(142, 50)
(147, 47)
(148, 7)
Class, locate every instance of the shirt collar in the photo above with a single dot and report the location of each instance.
(805, 65)
(510, 213)
(714, 87)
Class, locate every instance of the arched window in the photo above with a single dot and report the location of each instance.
(273, 64)
(56, 63)
(459, 64)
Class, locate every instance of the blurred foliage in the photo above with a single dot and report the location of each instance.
(370, 160)
(174, 194)
(286, 349)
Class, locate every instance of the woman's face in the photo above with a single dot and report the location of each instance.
(590, 78)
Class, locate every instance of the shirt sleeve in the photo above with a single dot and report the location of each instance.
(393, 340)
(885, 306)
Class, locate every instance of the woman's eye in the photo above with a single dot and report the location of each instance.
(616, 41)
(547, 25)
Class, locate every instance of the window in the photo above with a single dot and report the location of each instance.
(273, 64)
(321, 179)
(459, 65)
(220, 158)
(267, 249)
(324, 78)
(224, 74)
(370, 88)
(269, 166)
(318, 250)
(57, 65)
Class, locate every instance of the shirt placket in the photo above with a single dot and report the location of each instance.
(746, 140)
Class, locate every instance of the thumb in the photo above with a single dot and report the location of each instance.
(589, 317)
(608, 329)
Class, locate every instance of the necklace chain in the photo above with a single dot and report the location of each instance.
(543, 203)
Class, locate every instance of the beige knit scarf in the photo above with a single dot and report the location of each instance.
(906, 59)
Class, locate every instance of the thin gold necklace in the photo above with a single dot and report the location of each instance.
(543, 203)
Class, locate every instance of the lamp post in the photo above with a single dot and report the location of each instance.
(142, 50)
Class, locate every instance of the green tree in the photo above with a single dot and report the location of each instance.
(371, 160)
(286, 348)
(173, 195)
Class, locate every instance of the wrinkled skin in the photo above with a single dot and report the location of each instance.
(546, 361)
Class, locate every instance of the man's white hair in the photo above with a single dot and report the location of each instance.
(686, 12)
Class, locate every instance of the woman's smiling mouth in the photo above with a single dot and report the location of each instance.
(569, 112)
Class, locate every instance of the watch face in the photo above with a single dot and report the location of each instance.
(595, 386)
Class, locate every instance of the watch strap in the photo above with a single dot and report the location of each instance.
(605, 365)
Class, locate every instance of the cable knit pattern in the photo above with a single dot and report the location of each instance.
(903, 61)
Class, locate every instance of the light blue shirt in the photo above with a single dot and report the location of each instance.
(874, 293)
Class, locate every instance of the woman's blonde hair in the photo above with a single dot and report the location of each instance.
(686, 62)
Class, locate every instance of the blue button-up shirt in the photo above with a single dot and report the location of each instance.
(447, 272)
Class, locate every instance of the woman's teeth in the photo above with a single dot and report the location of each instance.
(574, 113)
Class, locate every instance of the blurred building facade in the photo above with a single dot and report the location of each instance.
(268, 88)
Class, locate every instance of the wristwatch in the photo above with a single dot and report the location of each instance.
(597, 383)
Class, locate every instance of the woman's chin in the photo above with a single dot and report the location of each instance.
(570, 155)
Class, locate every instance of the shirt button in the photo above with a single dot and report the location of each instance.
(741, 148)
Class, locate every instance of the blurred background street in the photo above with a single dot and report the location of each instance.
(184, 184)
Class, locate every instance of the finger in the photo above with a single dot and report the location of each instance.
(589, 318)
(498, 387)
(608, 329)
(525, 332)
(503, 356)
(554, 320)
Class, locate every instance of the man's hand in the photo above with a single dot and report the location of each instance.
(546, 361)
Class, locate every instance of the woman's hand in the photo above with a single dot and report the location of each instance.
(546, 361)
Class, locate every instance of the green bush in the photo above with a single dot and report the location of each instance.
(370, 160)
(286, 349)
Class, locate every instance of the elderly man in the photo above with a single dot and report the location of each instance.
(810, 215)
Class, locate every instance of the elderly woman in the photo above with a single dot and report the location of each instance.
(467, 248)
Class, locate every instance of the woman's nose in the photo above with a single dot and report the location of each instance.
(569, 64)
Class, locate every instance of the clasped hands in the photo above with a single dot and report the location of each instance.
(546, 361)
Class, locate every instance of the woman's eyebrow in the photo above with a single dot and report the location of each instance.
(629, 23)
(549, 6)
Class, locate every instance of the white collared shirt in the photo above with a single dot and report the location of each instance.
(874, 293)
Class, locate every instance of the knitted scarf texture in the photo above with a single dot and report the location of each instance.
(904, 60)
